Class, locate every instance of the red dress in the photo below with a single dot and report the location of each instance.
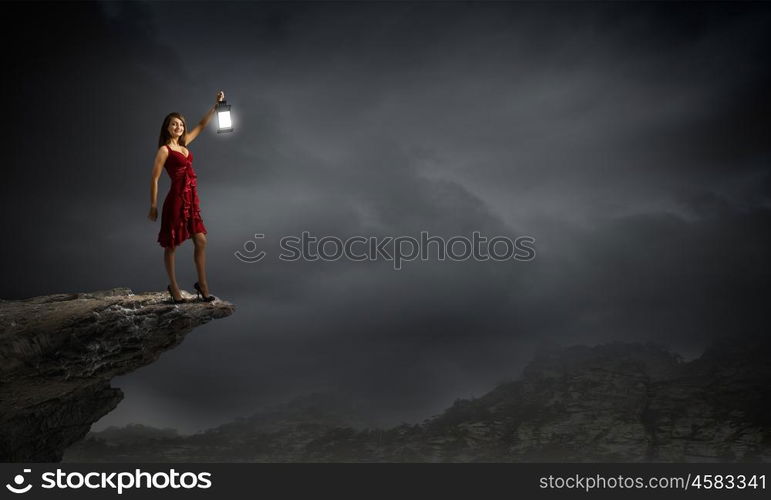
(181, 215)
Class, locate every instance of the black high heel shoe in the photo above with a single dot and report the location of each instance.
(181, 301)
(200, 294)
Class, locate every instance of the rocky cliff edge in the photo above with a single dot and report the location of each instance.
(59, 352)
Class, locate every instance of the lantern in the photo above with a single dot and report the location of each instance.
(224, 123)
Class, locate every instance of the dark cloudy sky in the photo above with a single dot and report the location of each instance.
(629, 139)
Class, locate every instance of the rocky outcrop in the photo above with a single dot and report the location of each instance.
(58, 353)
(618, 402)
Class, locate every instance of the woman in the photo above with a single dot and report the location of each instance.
(181, 215)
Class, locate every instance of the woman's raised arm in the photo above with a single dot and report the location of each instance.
(190, 136)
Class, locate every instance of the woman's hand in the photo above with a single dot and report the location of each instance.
(220, 96)
(153, 215)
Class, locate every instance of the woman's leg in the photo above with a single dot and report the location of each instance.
(168, 259)
(199, 256)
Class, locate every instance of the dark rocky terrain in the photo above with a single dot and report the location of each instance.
(58, 353)
(619, 402)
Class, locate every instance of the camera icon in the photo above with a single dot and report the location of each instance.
(19, 481)
(250, 247)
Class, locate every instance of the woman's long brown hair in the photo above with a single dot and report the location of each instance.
(165, 136)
